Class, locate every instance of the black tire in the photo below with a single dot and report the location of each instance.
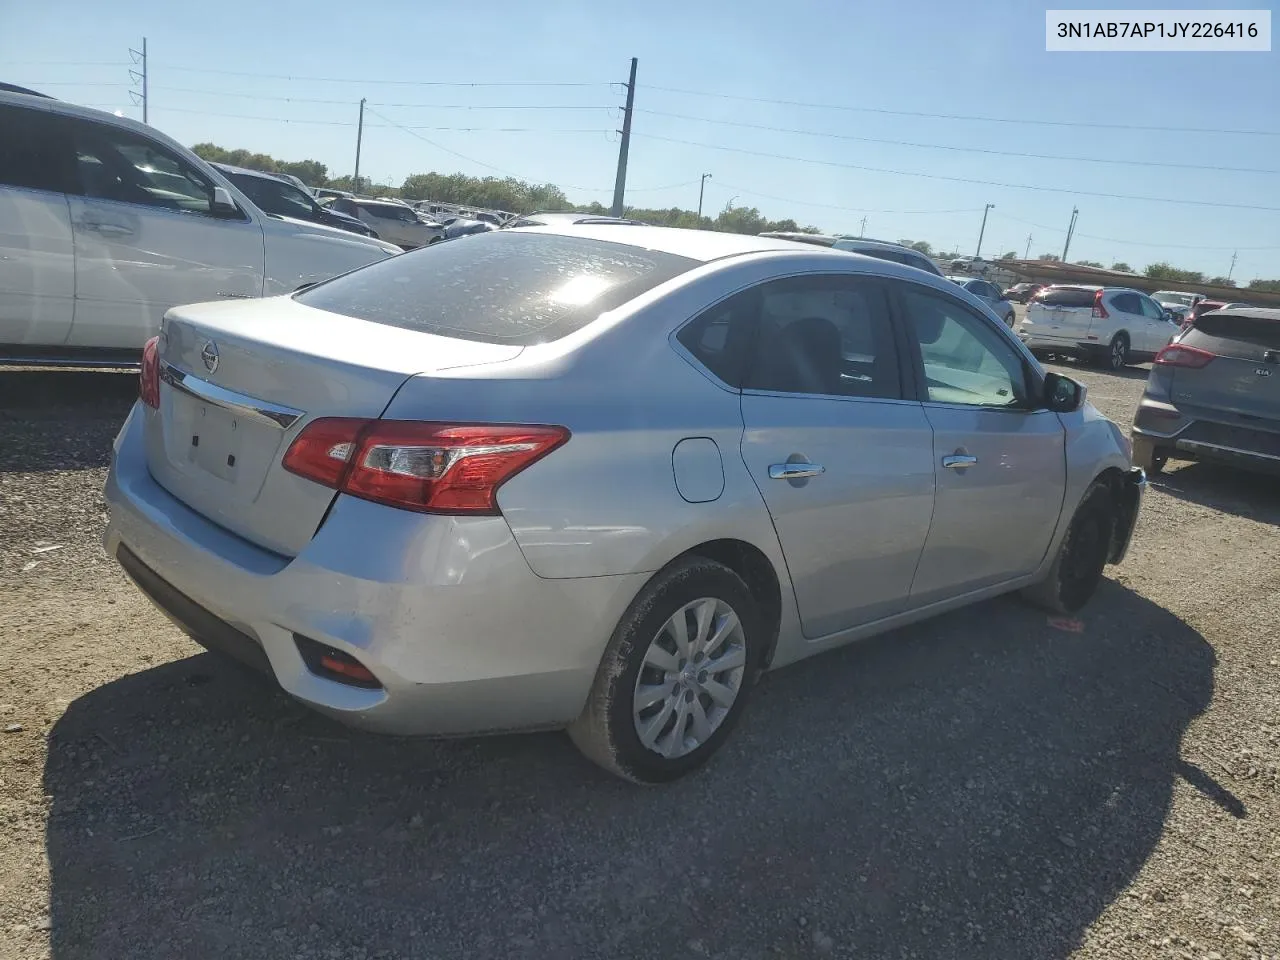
(1117, 357)
(1077, 569)
(605, 731)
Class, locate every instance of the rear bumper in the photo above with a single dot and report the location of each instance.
(1162, 429)
(444, 611)
(1069, 346)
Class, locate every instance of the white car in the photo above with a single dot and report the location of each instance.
(105, 224)
(394, 221)
(1112, 325)
(1178, 303)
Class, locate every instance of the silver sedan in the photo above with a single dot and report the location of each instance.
(599, 478)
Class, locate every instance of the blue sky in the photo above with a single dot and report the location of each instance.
(924, 57)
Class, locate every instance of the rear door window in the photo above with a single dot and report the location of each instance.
(35, 150)
(1066, 297)
(1219, 332)
(499, 287)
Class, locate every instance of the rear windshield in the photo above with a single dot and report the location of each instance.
(1256, 331)
(1066, 297)
(498, 287)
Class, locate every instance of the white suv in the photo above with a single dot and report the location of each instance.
(105, 224)
(1112, 325)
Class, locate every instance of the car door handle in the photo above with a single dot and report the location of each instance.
(958, 461)
(107, 229)
(794, 471)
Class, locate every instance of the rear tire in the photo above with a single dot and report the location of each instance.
(659, 708)
(1117, 357)
(1077, 569)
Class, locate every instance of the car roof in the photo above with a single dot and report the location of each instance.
(14, 88)
(813, 239)
(569, 216)
(703, 245)
(246, 172)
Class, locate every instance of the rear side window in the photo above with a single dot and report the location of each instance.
(826, 336)
(721, 338)
(1127, 303)
(35, 150)
(1254, 331)
(499, 287)
(1065, 297)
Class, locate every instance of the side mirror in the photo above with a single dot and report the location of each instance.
(223, 206)
(1170, 316)
(1062, 394)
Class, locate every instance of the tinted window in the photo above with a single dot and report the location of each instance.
(1066, 297)
(966, 360)
(117, 164)
(924, 263)
(1256, 331)
(721, 338)
(274, 196)
(1126, 303)
(499, 287)
(389, 211)
(824, 335)
(35, 150)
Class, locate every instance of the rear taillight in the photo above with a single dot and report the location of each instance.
(149, 375)
(428, 467)
(1180, 355)
(1099, 308)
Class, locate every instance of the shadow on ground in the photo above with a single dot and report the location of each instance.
(61, 419)
(1255, 496)
(979, 787)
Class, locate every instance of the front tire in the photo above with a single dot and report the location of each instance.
(1077, 569)
(674, 679)
(1117, 357)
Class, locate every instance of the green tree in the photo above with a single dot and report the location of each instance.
(1049, 258)
(1088, 263)
(921, 246)
(1265, 286)
(1008, 255)
(1162, 271)
(1121, 267)
(1221, 281)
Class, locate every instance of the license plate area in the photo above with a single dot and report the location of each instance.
(214, 445)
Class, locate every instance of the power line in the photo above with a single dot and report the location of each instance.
(943, 146)
(958, 116)
(369, 82)
(829, 206)
(1132, 243)
(425, 106)
(970, 180)
(349, 123)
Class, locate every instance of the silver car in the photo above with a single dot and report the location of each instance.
(991, 295)
(599, 478)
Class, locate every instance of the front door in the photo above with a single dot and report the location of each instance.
(999, 460)
(844, 464)
(1157, 331)
(146, 239)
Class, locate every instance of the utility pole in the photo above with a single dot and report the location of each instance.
(620, 184)
(977, 254)
(701, 186)
(140, 59)
(862, 231)
(1027, 255)
(1071, 228)
(355, 179)
(1234, 254)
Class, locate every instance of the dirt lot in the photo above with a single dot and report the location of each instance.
(984, 786)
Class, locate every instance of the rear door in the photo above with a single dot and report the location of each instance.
(843, 462)
(146, 239)
(1062, 313)
(998, 459)
(37, 262)
(1242, 383)
(1157, 331)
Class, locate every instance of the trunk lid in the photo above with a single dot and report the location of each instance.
(240, 380)
(1242, 383)
(1065, 312)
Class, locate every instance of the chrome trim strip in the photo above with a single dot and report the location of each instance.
(1195, 445)
(237, 403)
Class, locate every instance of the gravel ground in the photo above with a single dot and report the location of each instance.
(986, 786)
